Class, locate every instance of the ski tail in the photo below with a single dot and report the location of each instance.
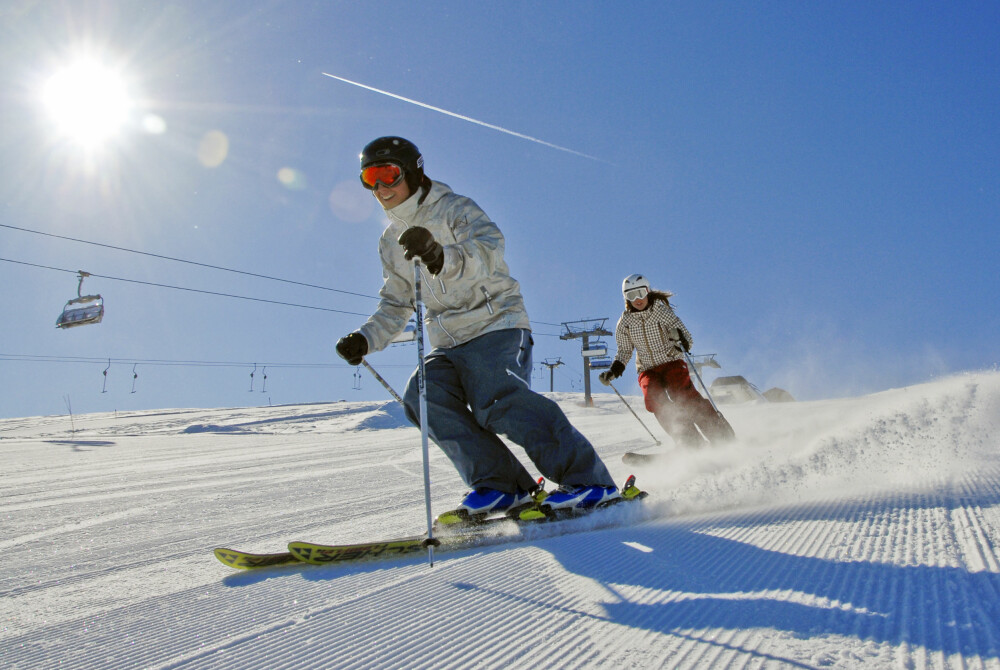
(322, 553)
(243, 560)
(632, 492)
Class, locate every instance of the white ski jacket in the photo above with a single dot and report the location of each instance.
(473, 294)
(652, 333)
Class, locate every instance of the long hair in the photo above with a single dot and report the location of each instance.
(424, 183)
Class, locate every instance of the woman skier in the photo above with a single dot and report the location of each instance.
(660, 340)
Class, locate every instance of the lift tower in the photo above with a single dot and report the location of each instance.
(551, 365)
(585, 329)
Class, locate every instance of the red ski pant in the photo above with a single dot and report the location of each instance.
(679, 408)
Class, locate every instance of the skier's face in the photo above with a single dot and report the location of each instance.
(391, 196)
(640, 303)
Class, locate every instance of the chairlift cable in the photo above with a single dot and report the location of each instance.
(35, 358)
(181, 260)
(212, 267)
(223, 295)
(192, 290)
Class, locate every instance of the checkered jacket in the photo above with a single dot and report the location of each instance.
(651, 333)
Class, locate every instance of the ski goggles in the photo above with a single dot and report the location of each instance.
(389, 174)
(636, 293)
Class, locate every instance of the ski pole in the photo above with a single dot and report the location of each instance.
(633, 413)
(698, 375)
(422, 387)
(382, 381)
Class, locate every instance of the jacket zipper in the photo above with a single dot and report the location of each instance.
(645, 336)
(489, 299)
(438, 300)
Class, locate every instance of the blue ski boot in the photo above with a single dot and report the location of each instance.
(484, 502)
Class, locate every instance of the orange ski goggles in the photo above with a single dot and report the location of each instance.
(389, 174)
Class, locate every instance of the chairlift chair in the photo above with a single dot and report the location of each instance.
(409, 333)
(600, 363)
(596, 349)
(83, 309)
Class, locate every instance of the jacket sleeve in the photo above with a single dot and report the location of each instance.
(478, 247)
(687, 333)
(671, 320)
(624, 341)
(683, 330)
(395, 307)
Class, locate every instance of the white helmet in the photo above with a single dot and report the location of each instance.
(634, 287)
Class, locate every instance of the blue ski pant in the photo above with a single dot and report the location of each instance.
(480, 389)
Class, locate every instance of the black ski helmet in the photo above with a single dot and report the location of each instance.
(399, 151)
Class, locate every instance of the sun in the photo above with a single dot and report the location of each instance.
(87, 101)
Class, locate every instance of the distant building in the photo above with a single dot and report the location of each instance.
(735, 389)
(778, 395)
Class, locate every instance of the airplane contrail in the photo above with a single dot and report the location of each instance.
(465, 118)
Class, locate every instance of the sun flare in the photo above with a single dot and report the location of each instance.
(87, 101)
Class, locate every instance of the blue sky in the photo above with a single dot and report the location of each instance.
(818, 183)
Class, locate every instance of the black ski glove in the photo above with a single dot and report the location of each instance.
(685, 345)
(418, 241)
(352, 348)
(617, 368)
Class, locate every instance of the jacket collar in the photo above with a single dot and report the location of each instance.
(406, 212)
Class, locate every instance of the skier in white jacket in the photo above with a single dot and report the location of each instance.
(478, 372)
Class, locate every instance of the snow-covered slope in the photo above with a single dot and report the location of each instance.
(860, 532)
